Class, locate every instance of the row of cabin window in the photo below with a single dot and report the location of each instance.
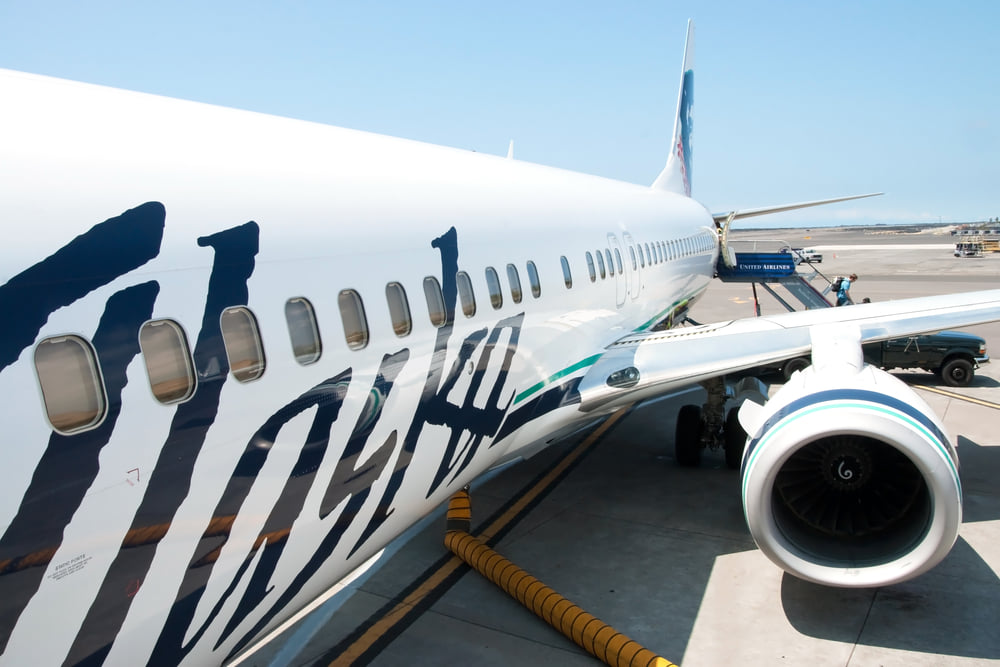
(73, 390)
(658, 252)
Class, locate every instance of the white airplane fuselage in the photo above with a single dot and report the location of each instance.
(194, 526)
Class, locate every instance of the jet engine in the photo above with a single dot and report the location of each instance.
(848, 478)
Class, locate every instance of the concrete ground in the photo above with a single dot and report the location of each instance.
(663, 554)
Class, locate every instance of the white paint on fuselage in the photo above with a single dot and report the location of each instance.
(336, 209)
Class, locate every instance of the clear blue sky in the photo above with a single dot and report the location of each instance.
(793, 100)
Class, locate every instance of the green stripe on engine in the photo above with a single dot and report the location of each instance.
(840, 404)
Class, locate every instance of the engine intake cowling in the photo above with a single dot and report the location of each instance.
(850, 481)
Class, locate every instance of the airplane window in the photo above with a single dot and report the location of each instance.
(515, 283)
(635, 264)
(590, 267)
(642, 258)
(435, 301)
(241, 338)
(399, 309)
(303, 330)
(618, 261)
(465, 293)
(493, 285)
(352, 315)
(659, 251)
(536, 286)
(611, 264)
(567, 276)
(72, 390)
(649, 256)
(168, 360)
(600, 264)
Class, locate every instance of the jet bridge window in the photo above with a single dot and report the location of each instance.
(536, 285)
(399, 309)
(600, 264)
(241, 338)
(515, 283)
(567, 275)
(168, 360)
(71, 385)
(493, 285)
(352, 315)
(435, 301)
(465, 293)
(590, 267)
(303, 330)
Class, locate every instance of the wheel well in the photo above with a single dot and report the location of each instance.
(961, 354)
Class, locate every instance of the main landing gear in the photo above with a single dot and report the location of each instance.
(716, 424)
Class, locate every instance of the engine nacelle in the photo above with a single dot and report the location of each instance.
(849, 479)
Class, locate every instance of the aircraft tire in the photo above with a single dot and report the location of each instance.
(735, 439)
(792, 365)
(687, 436)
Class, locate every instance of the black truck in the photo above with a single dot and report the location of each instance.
(951, 355)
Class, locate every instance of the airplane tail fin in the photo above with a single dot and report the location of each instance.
(676, 175)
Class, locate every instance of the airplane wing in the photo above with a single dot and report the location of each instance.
(648, 364)
(721, 218)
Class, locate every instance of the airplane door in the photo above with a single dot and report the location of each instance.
(633, 272)
(621, 277)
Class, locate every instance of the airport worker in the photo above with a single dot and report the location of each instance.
(843, 295)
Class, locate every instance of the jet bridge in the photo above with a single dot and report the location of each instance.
(781, 274)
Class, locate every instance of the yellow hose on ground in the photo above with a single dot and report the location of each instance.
(592, 634)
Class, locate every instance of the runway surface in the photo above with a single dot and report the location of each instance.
(662, 553)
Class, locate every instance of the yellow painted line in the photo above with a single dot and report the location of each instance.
(553, 474)
(402, 608)
(951, 394)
